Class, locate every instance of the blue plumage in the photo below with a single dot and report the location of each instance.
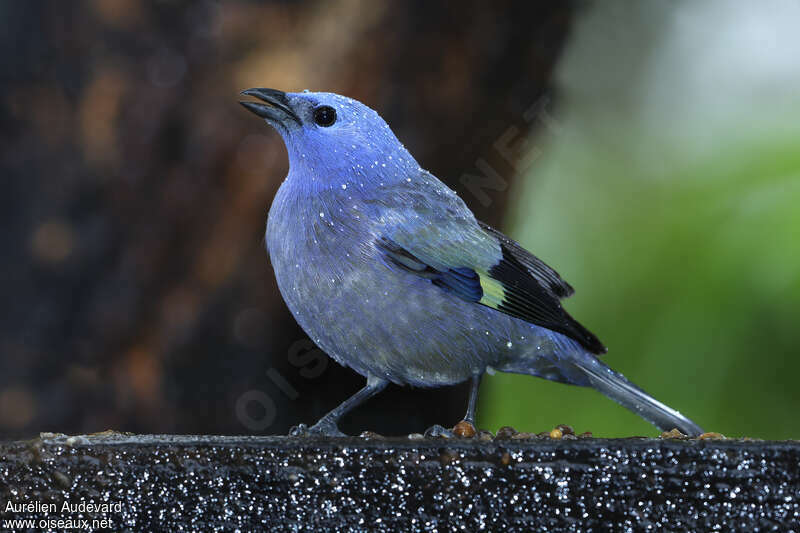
(390, 273)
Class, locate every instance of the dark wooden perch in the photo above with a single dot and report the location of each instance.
(182, 483)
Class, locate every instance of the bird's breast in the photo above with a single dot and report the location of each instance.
(322, 250)
(365, 312)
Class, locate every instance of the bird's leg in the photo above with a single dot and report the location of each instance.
(328, 424)
(473, 398)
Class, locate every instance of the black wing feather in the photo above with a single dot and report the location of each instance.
(531, 289)
(535, 266)
(527, 298)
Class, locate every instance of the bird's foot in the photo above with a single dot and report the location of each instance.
(439, 431)
(300, 430)
(324, 428)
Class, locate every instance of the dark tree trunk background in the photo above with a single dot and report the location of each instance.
(137, 292)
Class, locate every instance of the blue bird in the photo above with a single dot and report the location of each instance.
(389, 272)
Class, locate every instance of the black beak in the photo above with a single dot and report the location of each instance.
(277, 107)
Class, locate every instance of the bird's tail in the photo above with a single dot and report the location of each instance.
(618, 388)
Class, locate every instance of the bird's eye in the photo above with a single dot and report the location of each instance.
(325, 116)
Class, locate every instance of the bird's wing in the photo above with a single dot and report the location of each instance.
(535, 266)
(438, 238)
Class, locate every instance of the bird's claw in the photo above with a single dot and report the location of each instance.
(322, 428)
(439, 431)
(300, 430)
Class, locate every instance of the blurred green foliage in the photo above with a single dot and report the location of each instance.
(668, 195)
(689, 272)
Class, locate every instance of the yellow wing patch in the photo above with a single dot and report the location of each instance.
(493, 291)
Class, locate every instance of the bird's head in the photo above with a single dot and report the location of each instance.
(326, 133)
